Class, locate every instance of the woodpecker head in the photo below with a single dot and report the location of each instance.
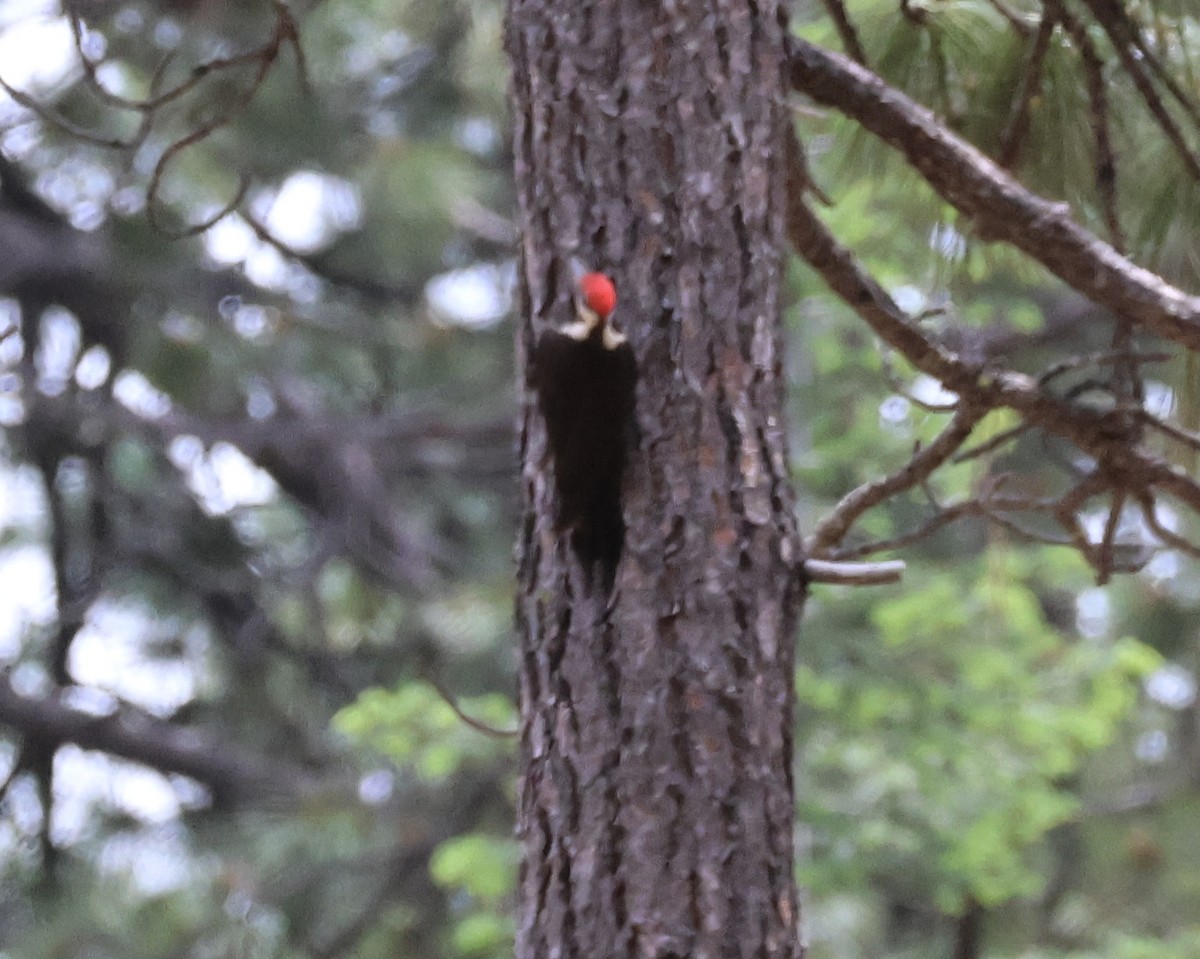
(595, 300)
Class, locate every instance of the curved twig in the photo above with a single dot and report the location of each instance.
(833, 529)
(477, 724)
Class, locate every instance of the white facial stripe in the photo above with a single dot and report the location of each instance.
(611, 338)
(579, 330)
(583, 328)
(587, 316)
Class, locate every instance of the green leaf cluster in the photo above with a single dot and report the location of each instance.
(941, 745)
(483, 868)
(415, 727)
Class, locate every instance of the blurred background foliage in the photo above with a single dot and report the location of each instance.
(256, 506)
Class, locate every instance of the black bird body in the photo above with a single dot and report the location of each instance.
(585, 376)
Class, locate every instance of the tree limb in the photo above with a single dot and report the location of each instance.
(854, 574)
(1001, 208)
(1111, 438)
(230, 772)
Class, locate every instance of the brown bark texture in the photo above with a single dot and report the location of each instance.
(656, 801)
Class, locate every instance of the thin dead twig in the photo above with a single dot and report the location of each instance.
(1106, 163)
(893, 380)
(854, 574)
(1131, 52)
(1106, 358)
(1015, 20)
(988, 446)
(845, 29)
(833, 529)
(1177, 433)
(286, 33)
(1031, 83)
(1171, 539)
(367, 286)
(477, 724)
(988, 505)
(1110, 438)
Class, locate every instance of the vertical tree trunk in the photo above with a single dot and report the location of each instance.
(656, 805)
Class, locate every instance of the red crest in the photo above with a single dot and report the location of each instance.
(599, 293)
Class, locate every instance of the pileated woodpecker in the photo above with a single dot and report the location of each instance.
(584, 374)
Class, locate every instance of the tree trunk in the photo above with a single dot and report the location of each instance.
(656, 806)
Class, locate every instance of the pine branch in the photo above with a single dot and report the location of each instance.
(1001, 208)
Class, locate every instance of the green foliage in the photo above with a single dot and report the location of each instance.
(483, 867)
(414, 726)
(1182, 945)
(946, 739)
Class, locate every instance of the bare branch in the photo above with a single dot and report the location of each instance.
(1125, 40)
(943, 517)
(1177, 433)
(1014, 19)
(285, 33)
(196, 228)
(832, 530)
(1106, 164)
(1001, 208)
(846, 32)
(1189, 104)
(1107, 358)
(1174, 540)
(990, 388)
(1104, 557)
(854, 574)
(1110, 437)
(982, 449)
(1031, 85)
(1020, 530)
(60, 122)
(987, 505)
(155, 743)
(318, 265)
(893, 380)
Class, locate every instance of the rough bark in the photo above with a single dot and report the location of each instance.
(656, 806)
